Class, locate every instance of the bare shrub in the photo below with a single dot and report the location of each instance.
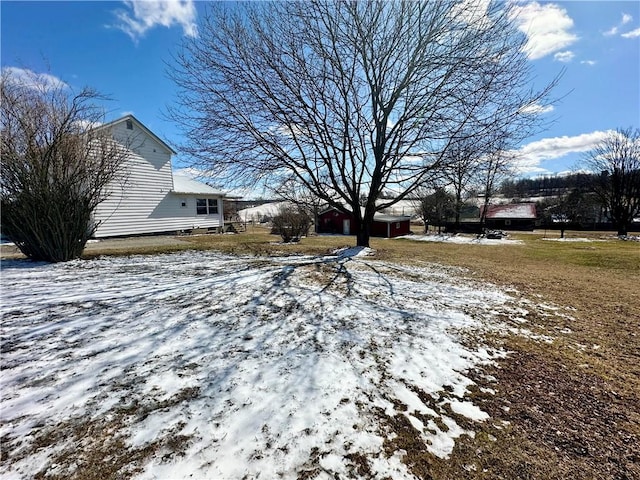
(291, 223)
(56, 162)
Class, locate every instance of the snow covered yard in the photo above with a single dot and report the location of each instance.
(202, 365)
(460, 239)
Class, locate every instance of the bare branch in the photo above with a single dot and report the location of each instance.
(56, 166)
(343, 96)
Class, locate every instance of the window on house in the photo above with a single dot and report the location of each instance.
(129, 125)
(206, 206)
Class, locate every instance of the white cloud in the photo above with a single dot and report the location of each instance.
(531, 155)
(612, 31)
(30, 79)
(473, 12)
(564, 57)
(86, 124)
(537, 108)
(626, 18)
(145, 15)
(632, 34)
(591, 63)
(547, 28)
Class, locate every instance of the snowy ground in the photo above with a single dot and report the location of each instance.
(460, 239)
(200, 365)
(573, 239)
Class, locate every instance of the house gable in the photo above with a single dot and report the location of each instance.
(130, 131)
(147, 201)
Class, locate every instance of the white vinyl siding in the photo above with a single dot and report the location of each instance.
(146, 203)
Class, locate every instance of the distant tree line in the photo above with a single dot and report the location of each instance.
(608, 196)
(547, 186)
(611, 193)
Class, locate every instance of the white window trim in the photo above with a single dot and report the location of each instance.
(211, 209)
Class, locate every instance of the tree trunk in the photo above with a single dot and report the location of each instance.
(363, 239)
(622, 231)
(458, 208)
(363, 231)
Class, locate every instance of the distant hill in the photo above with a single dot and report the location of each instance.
(546, 186)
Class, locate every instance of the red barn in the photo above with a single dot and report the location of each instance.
(518, 216)
(387, 226)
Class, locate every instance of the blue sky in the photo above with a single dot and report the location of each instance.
(122, 49)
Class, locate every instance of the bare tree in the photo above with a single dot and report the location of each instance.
(436, 208)
(56, 164)
(461, 171)
(576, 207)
(492, 171)
(350, 98)
(616, 163)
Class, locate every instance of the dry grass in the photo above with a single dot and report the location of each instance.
(568, 409)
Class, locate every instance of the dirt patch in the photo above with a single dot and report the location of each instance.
(98, 448)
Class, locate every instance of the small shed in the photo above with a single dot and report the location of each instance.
(513, 216)
(334, 221)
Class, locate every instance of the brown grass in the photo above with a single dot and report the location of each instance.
(568, 409)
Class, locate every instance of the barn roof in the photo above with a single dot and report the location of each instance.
(511, 211)
(378, 217)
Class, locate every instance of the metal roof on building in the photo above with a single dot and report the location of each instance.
(189, 186)
(511, 211)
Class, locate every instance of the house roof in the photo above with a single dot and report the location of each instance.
(511, 211)
(142, 127)
(189, 186)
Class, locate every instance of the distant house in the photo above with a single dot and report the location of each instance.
(517, 216)
(334, 221)
(153, 199)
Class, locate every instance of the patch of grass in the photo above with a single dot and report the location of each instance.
(572, 404)
(85, 448)
(563, 409)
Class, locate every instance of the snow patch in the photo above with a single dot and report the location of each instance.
(348, 252)
(571, 239)
(469, 410)
(237, 366)
(459, 239)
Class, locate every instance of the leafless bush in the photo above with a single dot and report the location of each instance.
(56, 162)
(291, 223)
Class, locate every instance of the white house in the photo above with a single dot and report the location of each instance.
(152, 199)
